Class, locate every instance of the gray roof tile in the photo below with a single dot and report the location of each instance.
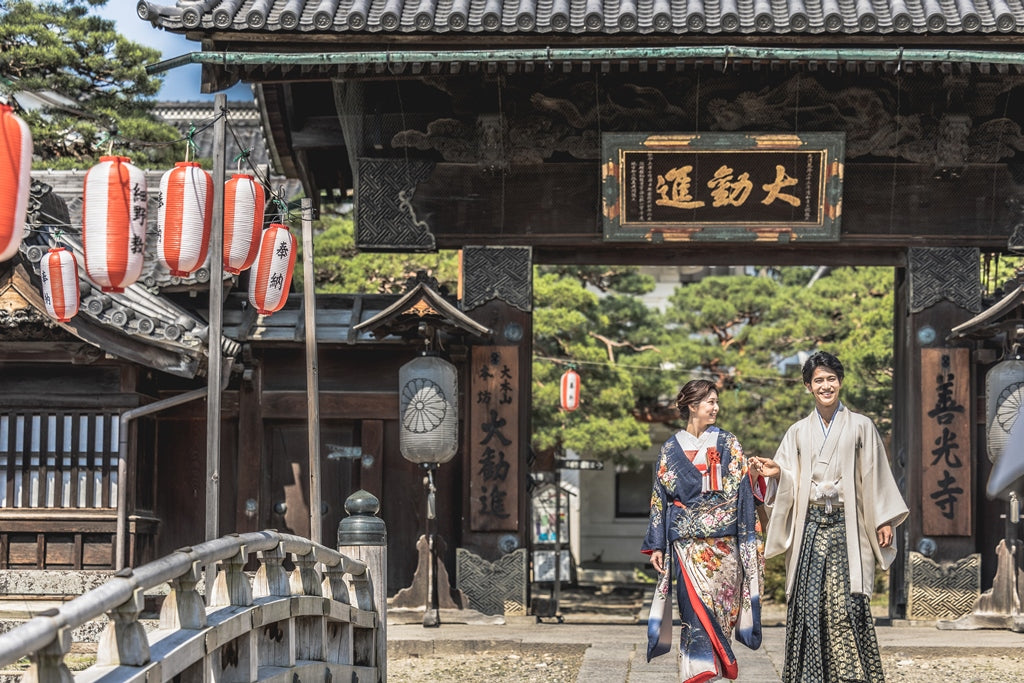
(527, 17)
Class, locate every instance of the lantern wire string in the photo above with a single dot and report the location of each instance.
(575, 364)
(55, 228)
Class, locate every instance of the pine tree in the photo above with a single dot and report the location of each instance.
(78, 83)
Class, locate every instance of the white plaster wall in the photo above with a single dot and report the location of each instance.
(603, 538)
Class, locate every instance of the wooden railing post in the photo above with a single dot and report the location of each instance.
(363, 536)
(331, 609)
(184, 607)
(231, 587)
(271, 578)
(305, 579)
(124, 641)
(48, 663)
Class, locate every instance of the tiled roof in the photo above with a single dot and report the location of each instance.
(527, 17)
(337, 316)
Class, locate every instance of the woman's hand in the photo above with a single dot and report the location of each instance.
(765, 467)
(884, 533)
(658, 561)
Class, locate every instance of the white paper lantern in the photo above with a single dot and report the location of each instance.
(428, 405)
(15, 179)
(243, 222)
(114, 223)
(570, 390)
(58, 272)
(184, 218)
(271, 276)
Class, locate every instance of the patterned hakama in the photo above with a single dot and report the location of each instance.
(830, 635)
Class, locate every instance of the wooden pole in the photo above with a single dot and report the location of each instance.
(216, 306)
(312, 370)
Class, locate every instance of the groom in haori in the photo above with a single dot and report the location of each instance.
(834, 506)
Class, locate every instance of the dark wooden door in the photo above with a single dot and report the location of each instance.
(286, 498)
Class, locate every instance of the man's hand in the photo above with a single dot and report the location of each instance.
(884, 533)
(765, 467)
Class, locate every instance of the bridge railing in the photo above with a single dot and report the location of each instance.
(322, 618)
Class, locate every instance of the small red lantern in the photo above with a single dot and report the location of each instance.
(58, 270)
(15, 179)
(186, 211)
(570, 390)
(243, 222)
(271, 274)
(114, 213)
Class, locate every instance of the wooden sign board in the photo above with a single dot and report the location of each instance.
(494, 439)
(722, 186)
(947, 448)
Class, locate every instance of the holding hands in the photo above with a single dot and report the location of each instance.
(764, 467)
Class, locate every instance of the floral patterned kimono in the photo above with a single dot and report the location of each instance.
(703, 517)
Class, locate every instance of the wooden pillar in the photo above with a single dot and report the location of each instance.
(363, 536)
(312, 372)
(934, 426)
(496, 289)
(249, 463)
(215, 355)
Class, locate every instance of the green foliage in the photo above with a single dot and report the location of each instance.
(997, 270)
(342, 269)
(612, 341)
(98, 77)
(775, 579)
(738, 330)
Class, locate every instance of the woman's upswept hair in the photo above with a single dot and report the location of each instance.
(822, 359)
(694, 391)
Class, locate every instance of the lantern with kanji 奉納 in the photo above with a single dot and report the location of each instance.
(58, 272)
(184, 218)
(15, 179)
(271, 274)
(570, 393)
(114, 214)
(243, 222)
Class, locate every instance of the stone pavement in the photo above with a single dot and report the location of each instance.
(617, 650)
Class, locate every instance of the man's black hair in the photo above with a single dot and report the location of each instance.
(822, 359)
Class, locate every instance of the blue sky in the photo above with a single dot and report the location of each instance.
(180, 84)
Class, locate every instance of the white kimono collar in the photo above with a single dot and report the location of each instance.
(689, 442)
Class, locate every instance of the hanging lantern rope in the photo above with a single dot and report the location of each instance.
(239, 158)
(107, 143)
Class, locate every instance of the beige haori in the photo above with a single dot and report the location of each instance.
(853, 452)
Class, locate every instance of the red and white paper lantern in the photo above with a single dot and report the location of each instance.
(243, 222)
(15, 166)
(271, 274)
(570, 390)
(186, 212)
(58, 270)
(114, 223)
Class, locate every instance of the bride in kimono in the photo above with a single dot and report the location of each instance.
(834, 506)
(702, 537)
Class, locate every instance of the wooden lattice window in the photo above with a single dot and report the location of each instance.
(58, 459)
